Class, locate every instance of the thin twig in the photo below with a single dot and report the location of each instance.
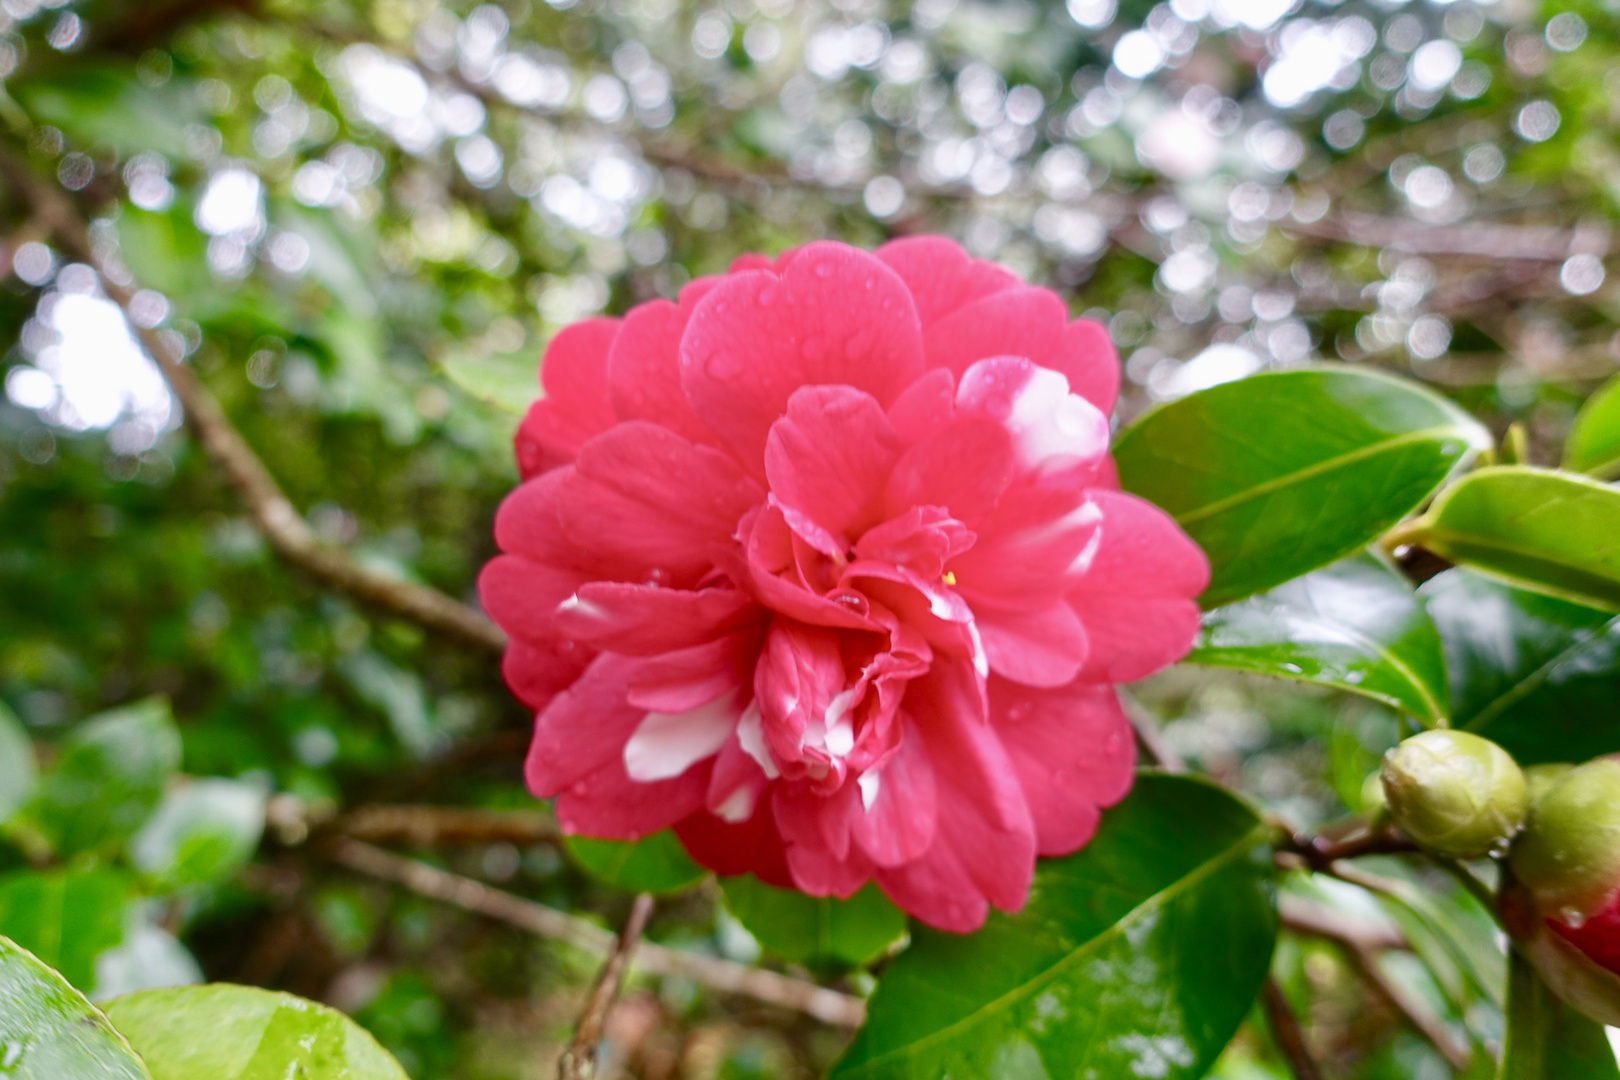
(1150, 735)
(726, 976)
(277, 519)
(1423, 1020)
(1286, 1030)
(579, 1060)
(1304, 917)
(425, 826)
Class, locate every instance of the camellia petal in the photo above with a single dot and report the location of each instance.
(826, 567)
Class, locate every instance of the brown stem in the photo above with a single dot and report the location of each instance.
(425, 826)
(726, 976)
(1286, 1030)
(275, 516)
(578, 1062)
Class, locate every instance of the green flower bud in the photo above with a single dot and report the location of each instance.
(1454, 794)
(1372, 794)
(1539, 779)
(1569, 854)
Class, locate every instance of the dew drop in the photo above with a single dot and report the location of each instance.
(824, 268)
(722, 365)
(1572, 918)
(767, 294)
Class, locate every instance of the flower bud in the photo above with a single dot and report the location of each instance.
(1453, 793)
(1539, 779)
(1569, 855)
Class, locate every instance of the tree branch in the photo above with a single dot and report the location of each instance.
(277, 519)
(1286, 1030)
(726, 976)
(424, 826)
(579, 1060)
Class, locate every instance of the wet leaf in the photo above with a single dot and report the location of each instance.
(1536, 674)
(1552, 532)
(811, 928)
(1281, 473)
(223, 1032)
(1138, 956)
(1356, 625)
(655, 864)
(48, 1031)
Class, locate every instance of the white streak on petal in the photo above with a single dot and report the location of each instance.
(751, 737)
(584, 608)
(667, 744)
(739, 805)
(869, 782)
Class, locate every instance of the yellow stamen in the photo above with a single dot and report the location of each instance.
(949, 578)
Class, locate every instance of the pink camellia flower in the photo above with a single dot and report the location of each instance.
(826, 567)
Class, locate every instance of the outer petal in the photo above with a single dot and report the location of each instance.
(1021, 321)
(610, 805)
(984, 846)
(941, 276)
(645, 504)
(827, 461)
(1137, 598)
(522, 595)
(835, 315)
(1054, 433)
(899, 806)
(1043, 647)
(1087, 358)
(644, 369)
(536, 673)
(1074, 752)
(646, 620)
(584, 729)
(748, 847)
(528, 523)
(684, 679)
(1033, 547)
(576, 405)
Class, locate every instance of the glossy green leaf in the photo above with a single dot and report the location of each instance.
(224, 1032)
(201, 834)
(19, 774)
(1138, 956)
(509, 382)
(655, 864)
(66, 917)
(810, 928)
(1281, 473)
(1593, 445)
(1356, 625)
(109, 778)
(48, 1031)
(1551, 532)
(1547, 1039)
(1536, 674)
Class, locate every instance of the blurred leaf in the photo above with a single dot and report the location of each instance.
(48, 1031)
(66, 917)
(101, 104)
(807, 928)
(1281, 473)
(1138, 956)
(655, 864)
(1593, 445)
(1356, 625)
(1534, 673)
(1555, 533)
(18, 773)
(201, 834)
(509, 382)
(149, 957)
(223, 1032)
(166, 252)
(1548, 1040)
(109, 778)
